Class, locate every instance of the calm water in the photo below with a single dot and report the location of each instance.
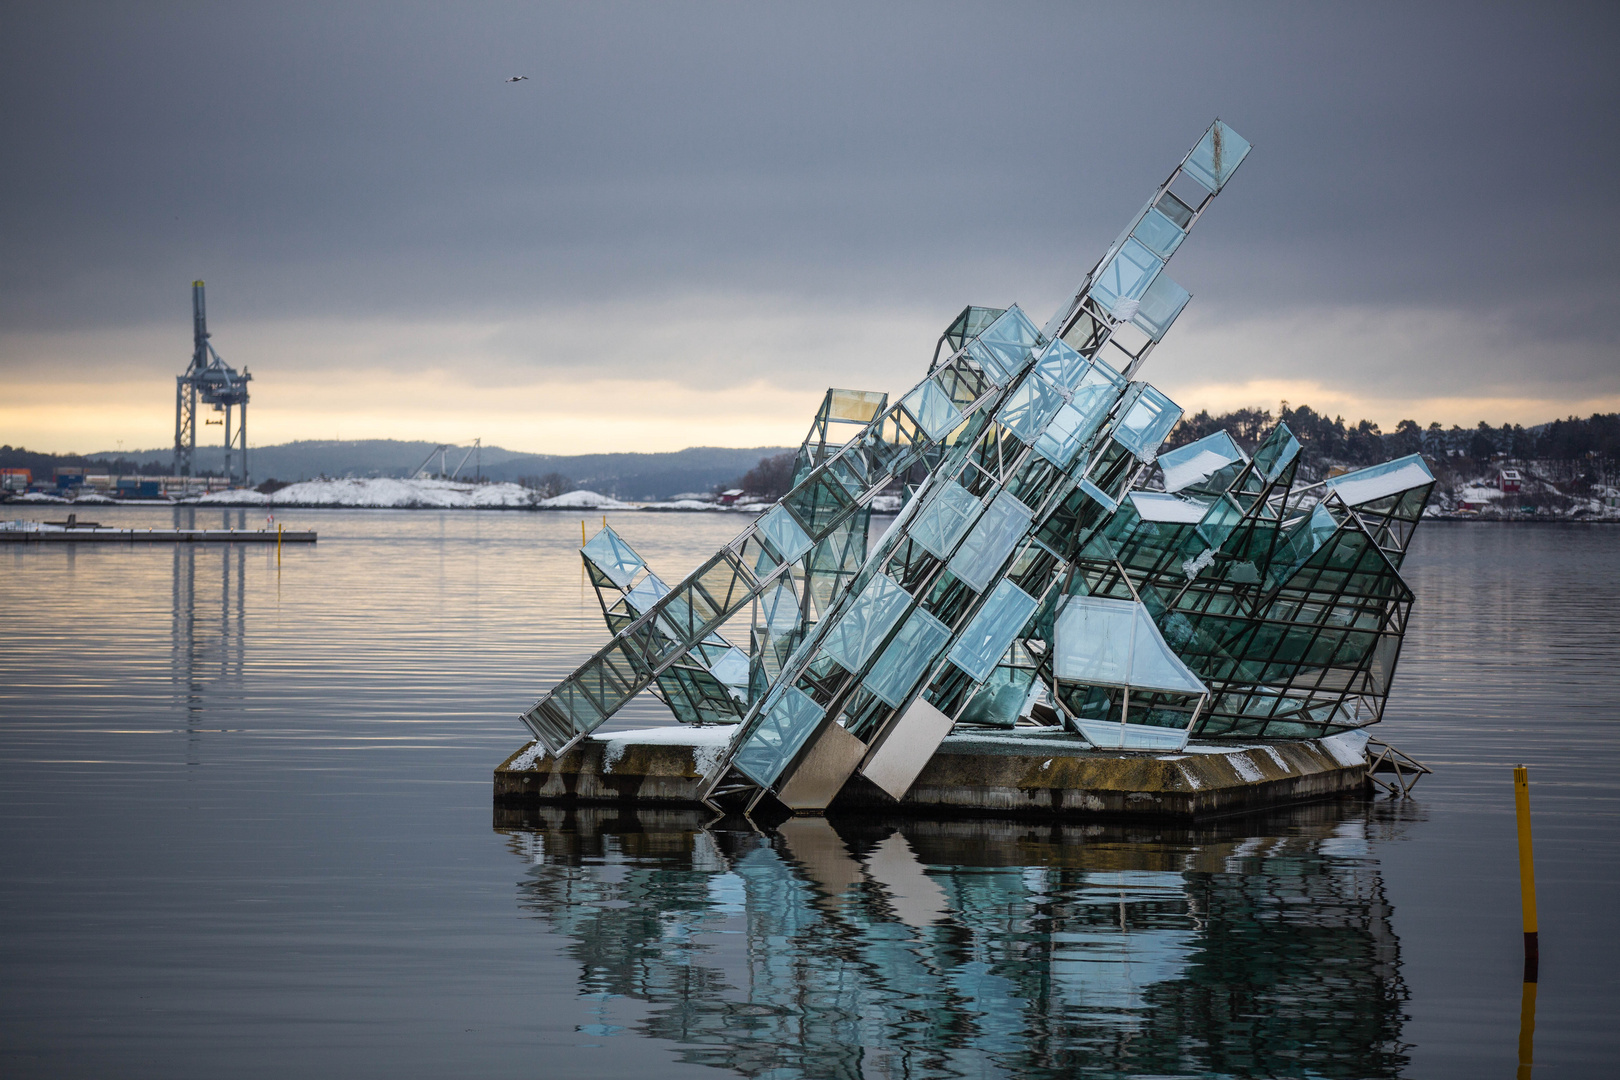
(246, 829)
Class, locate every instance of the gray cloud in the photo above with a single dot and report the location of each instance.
(365, 161)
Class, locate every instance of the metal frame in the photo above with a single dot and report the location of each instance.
(1027, 446)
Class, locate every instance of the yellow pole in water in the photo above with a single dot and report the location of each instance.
(1527, 868)
(582, 532)
(278, 543)
(1532, 945)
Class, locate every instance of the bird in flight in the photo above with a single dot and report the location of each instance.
(517, 78)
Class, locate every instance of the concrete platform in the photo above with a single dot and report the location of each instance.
(1038, 774)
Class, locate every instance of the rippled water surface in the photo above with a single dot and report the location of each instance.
(246, 830)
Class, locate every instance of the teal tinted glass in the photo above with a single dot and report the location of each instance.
(866, 622)
(907, 657)
(941, 523)
(784, 534)
(1060, 363)
(772, 744)
(1216, 157)
(615, 558)
(986, 548)
(1160, 305)
(1127, 275)
(933, 409)
(1028, 408)
(1063, 437)
(992, 630)
(1099, 495)
(1145, 424)
(1272, 456)
(1158, 234)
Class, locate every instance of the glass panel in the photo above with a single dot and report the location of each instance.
(1380, 481)
(615, 558)
(1125, 278)
(1223, 516)
(732, 668)
(1160, 305)
(1010, 338)
(1158, 234)
(908, 656)
(1001, 699)
(991, 362)
(771, 745)
(1272, 456)
(932, 409)
(992, 630)
(1064, 436)
(1146, 423)
(1092, 641)
(1154, 665)
(1099, 388)
(1061, 364)
(1099, 494)
(868, 620)
(858, 406)
(1198, 461)
(784, 534)
(991, 541)
(942, 522)
(1028, 409)
(1216, 157)
(1174, 209)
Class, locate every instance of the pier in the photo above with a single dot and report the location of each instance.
(94, 533)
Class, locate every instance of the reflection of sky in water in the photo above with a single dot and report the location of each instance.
(978, 949)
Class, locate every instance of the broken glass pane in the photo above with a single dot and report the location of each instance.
(992, 629)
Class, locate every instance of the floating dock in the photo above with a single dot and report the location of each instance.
(1023, 773)
(80, 534)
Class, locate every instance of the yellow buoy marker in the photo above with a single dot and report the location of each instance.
(1527, 866)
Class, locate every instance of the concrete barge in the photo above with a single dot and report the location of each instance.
(1021, 773)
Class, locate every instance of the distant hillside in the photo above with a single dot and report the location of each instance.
(625, 476)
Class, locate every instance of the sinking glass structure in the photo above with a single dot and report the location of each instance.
(1048, 561)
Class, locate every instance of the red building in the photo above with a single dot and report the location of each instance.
(1509, 480)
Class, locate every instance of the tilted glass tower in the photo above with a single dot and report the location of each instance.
(1047, 554)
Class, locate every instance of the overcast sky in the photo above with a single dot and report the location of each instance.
(693, 218)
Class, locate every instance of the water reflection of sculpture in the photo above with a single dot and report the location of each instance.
(982, 949)
(1045, 544)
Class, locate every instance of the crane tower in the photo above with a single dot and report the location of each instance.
(215, 383)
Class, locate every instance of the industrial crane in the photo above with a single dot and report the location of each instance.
(216, 383)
